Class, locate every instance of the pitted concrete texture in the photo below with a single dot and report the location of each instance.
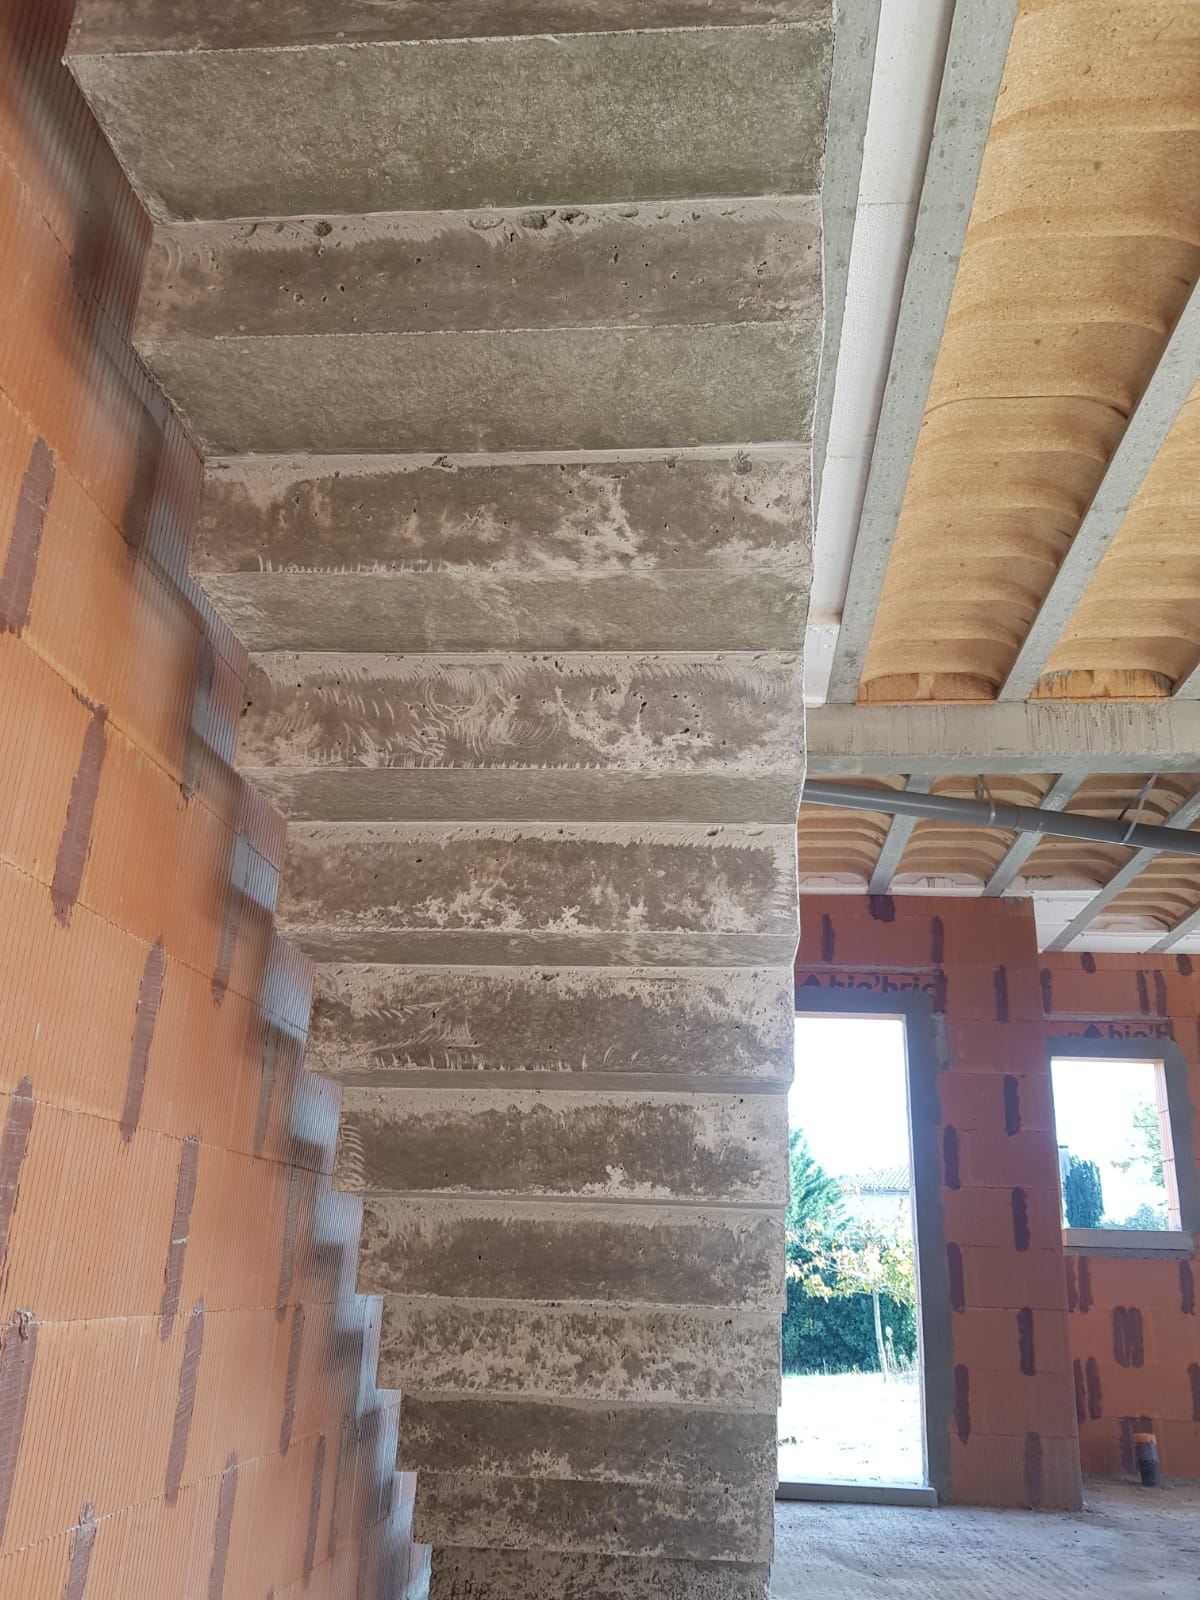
(729, 1360)
(621, 1254)
(576, 1440)
(686, 264)
(1126, 1541)
(619, 883)
(615, 1145)
(632, 714)
(543, 1575)
(116, 26)
(706, 1522)
(394, 1025)
(737, 511)
(584, 118)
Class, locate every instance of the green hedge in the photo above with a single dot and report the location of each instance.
(839, 1335)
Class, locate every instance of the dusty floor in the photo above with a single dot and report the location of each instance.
(851, 1428)
(1128, 1543)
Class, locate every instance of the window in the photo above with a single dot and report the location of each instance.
(1116, 1153)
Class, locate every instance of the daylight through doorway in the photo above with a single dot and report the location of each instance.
(852, 1410)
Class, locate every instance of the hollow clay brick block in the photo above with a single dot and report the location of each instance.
(982, 1047)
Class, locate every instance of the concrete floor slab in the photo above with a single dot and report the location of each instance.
(1126, 1541)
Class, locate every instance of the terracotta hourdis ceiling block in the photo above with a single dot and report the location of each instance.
(1078, 258)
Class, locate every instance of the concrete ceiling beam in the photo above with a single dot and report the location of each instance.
(979, 39)
(1025, 844)
(1182, 817)
(1174, 379)
(894, 845)
(1038, 736)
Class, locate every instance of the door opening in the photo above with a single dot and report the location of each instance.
(852, 1410)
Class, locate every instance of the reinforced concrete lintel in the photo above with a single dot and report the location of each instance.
(1051, 736)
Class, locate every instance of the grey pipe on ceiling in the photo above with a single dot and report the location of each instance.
(994, 814)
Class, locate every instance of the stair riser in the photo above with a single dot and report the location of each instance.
(718, 1523)
(134, 25)
(560, 389)
(460, 1574)
(599, 880)
(442, 125)
(636, 1255)
(435, 272)
(656, 1444)
(744, 513)
(606, 714)
(726, 1360)
(563, 1142)
(379, 1024)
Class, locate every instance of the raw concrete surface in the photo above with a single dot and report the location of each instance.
(1127, 1541)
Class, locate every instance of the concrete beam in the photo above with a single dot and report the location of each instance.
(1174, 379)
(1097, 736)
(1023, 846)
(1182, 817)
(329, 126)
(391, 1026)
(979, 37)
(855, 32)
(893, 847)
(610, 1355)
(1185, 926)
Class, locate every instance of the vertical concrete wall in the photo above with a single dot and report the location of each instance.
(1007, 1388)
(1135, 1336)
(187, 1399)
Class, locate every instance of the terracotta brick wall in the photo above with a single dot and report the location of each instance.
(1135, 1333)
(186, 1396)
(1010, 1399)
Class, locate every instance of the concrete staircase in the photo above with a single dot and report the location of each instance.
(498, 324)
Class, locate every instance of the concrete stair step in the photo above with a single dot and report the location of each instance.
(416, 794)
(463, 1574)
(705, 1522)
(382, 121)
(559, 329)
(683, 264)
(726, 1359)
(492, 894)
(627, 1254)
(375, 1026)
(182, 25)
(564, 1143)
(672, 609)
(732, 510)
(583, 1441)
(579, 737)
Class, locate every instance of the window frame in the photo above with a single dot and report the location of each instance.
(1151, 1244)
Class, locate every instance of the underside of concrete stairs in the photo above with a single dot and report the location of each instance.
(499, 327)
